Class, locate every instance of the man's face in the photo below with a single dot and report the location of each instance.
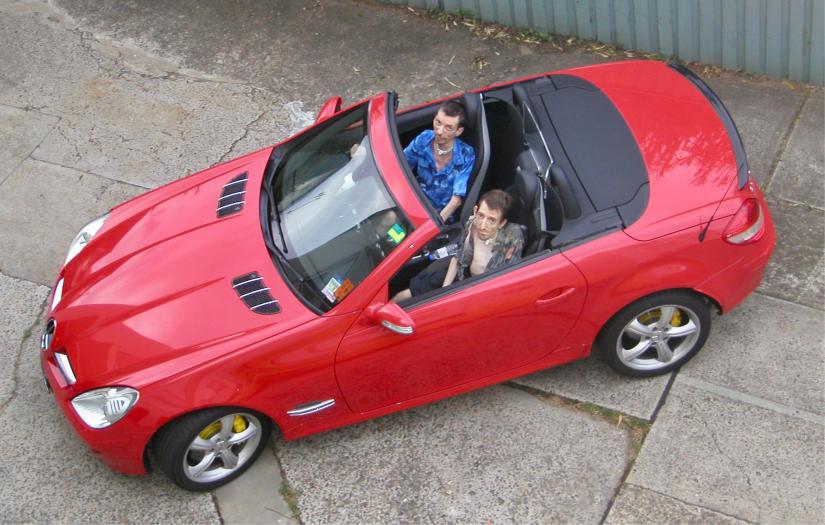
(487, 221)
(446, 128)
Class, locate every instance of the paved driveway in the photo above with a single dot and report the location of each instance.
(100, 101)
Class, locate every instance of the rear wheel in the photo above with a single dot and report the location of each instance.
(207, 449)
(655, 335)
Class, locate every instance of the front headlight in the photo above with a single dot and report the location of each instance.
(84, 236)
(104, 406)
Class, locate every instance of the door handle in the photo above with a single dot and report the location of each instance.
(556, 295)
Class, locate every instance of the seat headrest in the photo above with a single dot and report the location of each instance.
(472, 107)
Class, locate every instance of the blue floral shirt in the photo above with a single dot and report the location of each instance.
(440, 186)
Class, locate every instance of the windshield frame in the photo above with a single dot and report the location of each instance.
(295, 276)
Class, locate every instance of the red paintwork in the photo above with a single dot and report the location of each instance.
(149, 303)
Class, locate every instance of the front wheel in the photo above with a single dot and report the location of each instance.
(207, 449)
(656, 334)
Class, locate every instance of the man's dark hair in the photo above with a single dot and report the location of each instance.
(454, 109)
(497, 200)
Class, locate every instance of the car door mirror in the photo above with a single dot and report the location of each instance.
(330, 108)
(392, 317)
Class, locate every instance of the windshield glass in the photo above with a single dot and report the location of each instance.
(333, 219)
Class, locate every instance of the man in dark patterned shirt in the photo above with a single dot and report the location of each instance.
(488, 242)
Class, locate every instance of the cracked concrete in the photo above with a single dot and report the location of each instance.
(736, 458)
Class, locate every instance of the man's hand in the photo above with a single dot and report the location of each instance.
(455, 202)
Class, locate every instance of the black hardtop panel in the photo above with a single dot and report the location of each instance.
(599, 145)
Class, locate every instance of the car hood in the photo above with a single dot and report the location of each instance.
(156, 283)
(687, 151)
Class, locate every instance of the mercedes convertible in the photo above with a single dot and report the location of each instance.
(189, 323)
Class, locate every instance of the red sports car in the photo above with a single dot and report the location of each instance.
(193, 319)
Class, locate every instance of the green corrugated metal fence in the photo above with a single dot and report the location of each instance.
(782, 38)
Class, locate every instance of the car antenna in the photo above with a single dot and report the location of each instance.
(713, 215)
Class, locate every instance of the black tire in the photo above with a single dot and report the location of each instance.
(185, 445)
(656, 334)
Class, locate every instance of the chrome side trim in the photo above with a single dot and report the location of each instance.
(229, 205)
(254, 291)
(235, 182)
(249, 281)
(232, 195)
(264, 304)
(305, 409)
(66, 367)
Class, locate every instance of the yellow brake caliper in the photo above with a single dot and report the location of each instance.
(239, 424)
(654, 315)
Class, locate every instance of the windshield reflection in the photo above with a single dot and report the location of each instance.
(338, 219)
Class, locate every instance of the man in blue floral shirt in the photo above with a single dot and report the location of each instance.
(442, 163)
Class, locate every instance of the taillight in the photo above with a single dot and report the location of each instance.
(746, 225)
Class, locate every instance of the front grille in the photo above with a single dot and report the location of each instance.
(233, 196)
(255, 294)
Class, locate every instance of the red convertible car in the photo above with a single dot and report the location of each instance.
(192, 320)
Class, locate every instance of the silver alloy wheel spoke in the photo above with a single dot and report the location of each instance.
(665, 316)
(196, 471)
(663, 352)
(632, 353)
(241, 437)
(682, 331)
(230, 459)
(227, 423)
(639, 329)
(202, 444)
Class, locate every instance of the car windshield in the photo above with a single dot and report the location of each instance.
(332, 218)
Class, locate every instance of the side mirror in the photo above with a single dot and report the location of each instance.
(330, 108)
(392, 317)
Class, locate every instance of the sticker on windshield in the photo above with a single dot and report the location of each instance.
(332, 285)
(344, 290)
(396, 233)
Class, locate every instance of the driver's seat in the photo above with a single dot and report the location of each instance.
(476, 135)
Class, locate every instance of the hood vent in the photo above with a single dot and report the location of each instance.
(255, 294)
(233, 195)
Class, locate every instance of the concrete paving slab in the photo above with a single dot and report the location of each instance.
(254, 498)
(498, 455)
(638, 506)
(800, 172)
(283, 49)
(735, 458)
(20, 132)
(42, 207)
(593, 381)
(31, 30)
(763, 111)
(49, 476)
(768, 348)
(795, 269)
(147, 131)
(21, 303)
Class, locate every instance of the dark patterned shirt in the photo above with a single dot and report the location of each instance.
(507, 246)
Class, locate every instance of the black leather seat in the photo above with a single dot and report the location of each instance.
(528, 203)
(476, 135)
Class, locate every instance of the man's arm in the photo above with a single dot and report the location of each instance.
(455, 202)
(451, 271)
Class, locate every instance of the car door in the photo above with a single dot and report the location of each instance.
(479, 328)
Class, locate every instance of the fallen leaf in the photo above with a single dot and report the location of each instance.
(450, 82)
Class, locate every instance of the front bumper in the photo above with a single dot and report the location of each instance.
(121, 446)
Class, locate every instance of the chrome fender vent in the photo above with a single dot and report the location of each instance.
(233, 196)
(255, 294)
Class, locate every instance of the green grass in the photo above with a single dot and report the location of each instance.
(291, 500)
